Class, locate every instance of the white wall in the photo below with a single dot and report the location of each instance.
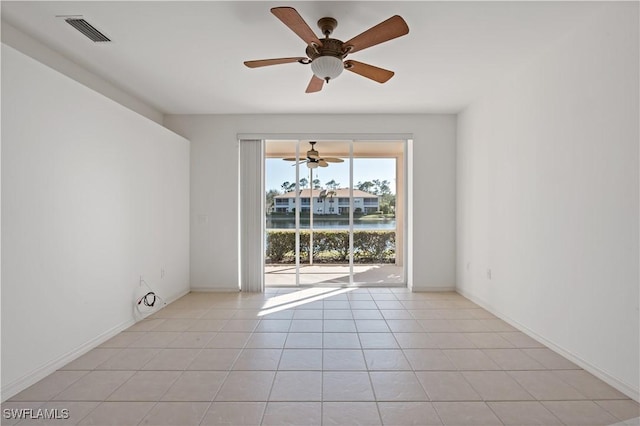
(547, 186)
(214, 184)
(93, 196)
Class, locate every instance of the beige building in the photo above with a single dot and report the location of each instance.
(327, 201)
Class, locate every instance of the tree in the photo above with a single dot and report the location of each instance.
(332, 184)
(304, 182)
(365, 186)
(270, 199)
(316, 184)
(288, 186)
(381, 187)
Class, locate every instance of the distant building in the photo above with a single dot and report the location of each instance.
(332, 201)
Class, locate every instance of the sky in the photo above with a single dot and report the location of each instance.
(279, 171)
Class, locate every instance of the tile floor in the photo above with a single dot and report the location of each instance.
(324, 356)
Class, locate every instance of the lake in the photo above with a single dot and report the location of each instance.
(318, 224)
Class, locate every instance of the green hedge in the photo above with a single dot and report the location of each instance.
(332, 246)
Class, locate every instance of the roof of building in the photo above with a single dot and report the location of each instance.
(341, 192)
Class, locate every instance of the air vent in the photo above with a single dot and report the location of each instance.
(87, 29)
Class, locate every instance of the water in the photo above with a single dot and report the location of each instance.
(320, 224)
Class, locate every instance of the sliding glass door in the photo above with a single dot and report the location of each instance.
(332, 213)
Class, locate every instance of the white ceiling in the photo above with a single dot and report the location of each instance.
(187, 57)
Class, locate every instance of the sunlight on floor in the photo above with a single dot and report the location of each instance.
(291, 300)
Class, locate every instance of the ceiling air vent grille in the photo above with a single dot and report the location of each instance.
(87, 29)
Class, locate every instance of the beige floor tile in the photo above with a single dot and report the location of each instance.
(176, 414)
(378, 340)
(195, 386)
(408, 414)
(117, 414)
(343, 359)
(621, 409)
(346, 386)
(350, 414)
(214, 359)
(426, 314)
(336, 304)
(94, 386)
(404, 326)
(234, 413)
(219, 314)
(91, 359)
(304, 340)
(129, 359)
(337, 314)
(550, 359)
(50, 386)
(274, 326)
(172, 359)
(286, 314)
(447, 386)
(305, 326)
(224, 340)
(146, 324)
(451, 341)
(307, 314)
(513, 359)
(174, 324)
(589, 385)
(580, 413)
(340, 341)
(523, 413)
(267, 341)
(301, 359)
(246, 386)
(545, 386)
(240, 325)
(397, 386)
(386, 359)
(207, 325)
(122, 340)
(468, 325)
(396, 314)
(363, 304)
(195, 339)
(297, 386)
(246, 314)
(367, 314)
(155, 339)
(415, 341)
(372, 326)
(339, 326)
(488, 340)
(496, 325)
(521, 340)
(470, 359)
(293, 413)
(496, 386)
(456, 314)
(258, 359)
(145, 386)
(428, 359)
(437, 326)
(466, 413)
(389, 304)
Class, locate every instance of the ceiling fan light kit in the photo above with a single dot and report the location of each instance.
(327, 56)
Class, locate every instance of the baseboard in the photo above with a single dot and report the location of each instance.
(623, 387)
(433, 289)
(215, 289)
(43, 371)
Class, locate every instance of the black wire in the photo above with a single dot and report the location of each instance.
(149, 299)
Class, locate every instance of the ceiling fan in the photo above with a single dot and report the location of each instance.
(314, 160)
(327, 56)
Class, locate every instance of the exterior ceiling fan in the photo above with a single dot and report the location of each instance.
(314, 160)
(327, 56)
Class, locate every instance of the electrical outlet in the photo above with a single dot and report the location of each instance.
(489, 273)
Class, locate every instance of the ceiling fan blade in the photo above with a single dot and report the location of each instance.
(374, 73)
(333, 160)
(387, 30)
(266, 62)
(292, 19)
(315, 85)
(290, 159)
(322, 163)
